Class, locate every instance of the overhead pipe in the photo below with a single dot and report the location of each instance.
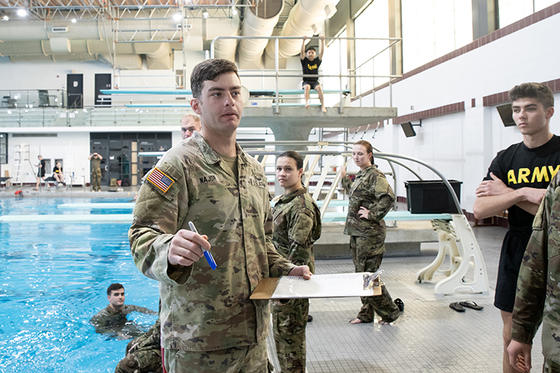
(217, 26)
(91, 39)
(258, 21)
(305, 19)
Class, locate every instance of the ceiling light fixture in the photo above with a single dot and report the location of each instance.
(205, 14)
(73, 20)
(177, 17)
(21, 12)
(233, 10)
(5, 18)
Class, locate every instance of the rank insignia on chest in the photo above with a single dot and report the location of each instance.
(160, 180)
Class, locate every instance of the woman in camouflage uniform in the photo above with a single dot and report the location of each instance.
(370, 200)
(297, 224)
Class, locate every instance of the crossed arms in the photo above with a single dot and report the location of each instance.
(493, 197)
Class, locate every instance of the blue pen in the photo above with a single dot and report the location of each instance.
(207, 254)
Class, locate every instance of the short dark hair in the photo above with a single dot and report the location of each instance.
(113, 287)
(310, 49)
(209, 70)
(295, 156)
(367, 145)
(538, 91)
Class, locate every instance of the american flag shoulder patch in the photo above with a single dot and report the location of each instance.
(160, 180)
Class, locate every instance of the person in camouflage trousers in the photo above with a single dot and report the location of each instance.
(95, 169)
(370, 199)
(208, 322)
(537, 298)
(297, 224)
(143, 353)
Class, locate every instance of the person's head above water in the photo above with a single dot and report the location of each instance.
(115, 295)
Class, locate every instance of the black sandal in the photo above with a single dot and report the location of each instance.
(472, 305)
(457, 307)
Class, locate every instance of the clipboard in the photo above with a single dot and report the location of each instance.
(360, 284)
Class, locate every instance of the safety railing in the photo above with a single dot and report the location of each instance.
(32, 98)
(345, 78)
(90, 117)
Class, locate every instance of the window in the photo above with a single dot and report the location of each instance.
(3, 148)
(373, 22)
(432, 28)
(335, 62)
(511, 11)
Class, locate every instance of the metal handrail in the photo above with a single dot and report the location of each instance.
(277, 73)
(385, 156)
(445, 181)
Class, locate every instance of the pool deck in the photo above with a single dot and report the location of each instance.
(428, 337)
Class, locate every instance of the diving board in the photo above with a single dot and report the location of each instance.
(186, 92)
(391, 215)
(178, 92)
(156, 105)
(288, 92)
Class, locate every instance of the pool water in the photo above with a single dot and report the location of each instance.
(53, 279)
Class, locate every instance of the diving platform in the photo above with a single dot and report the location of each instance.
(299, 116)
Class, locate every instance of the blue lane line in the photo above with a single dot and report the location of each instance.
(108, 206)
(69, 218)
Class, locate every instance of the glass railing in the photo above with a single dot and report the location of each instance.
(32, 98)
(89, 117)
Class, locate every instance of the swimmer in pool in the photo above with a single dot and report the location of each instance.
(113, 320)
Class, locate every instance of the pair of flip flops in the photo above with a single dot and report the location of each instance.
(460, 306)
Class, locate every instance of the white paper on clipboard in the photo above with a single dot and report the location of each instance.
(324, 286)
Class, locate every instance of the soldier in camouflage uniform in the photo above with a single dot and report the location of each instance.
(143, 353)
(538, 292)
(112, 319)
(370, 200)
(95, 169)
(297, 224)
(208, 322)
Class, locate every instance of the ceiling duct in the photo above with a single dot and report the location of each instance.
(56, 29)
(93, 39)
(258, 21)
(216, 26)
(158, 56)
(60, 46)
(305, 19)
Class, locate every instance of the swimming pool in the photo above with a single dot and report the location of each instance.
(53, 278)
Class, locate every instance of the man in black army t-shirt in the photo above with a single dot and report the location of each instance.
(517, 179)
(310, 63)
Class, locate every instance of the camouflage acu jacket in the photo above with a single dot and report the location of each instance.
(297, 224)
(201, 309)
(371, 190)
(538, 289)
(109, 318)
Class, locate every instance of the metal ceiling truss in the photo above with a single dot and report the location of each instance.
(51, 9)
(138, 9)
